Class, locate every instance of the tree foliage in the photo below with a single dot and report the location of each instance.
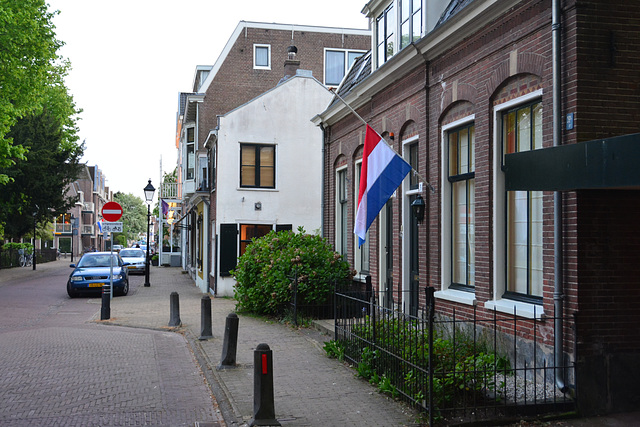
(29, 65)
(134, 214)
(36, 182)
(266, 271)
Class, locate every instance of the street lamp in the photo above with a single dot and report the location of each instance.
(148, 195)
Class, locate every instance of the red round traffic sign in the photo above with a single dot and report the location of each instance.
(111, 211)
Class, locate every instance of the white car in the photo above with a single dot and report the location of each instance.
(135, 258)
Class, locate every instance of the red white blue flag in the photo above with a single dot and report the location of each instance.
(382, 172)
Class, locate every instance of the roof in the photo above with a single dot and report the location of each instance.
(454, 7)
(360, 70)
(270, 26)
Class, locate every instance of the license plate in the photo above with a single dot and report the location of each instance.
(131, 266)
(95, 285)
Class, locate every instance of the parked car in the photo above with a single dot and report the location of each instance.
(117, 248)
(92, 271)
(136, 258)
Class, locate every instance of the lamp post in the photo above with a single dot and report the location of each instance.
(148, 195)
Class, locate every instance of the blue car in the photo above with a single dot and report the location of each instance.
(92, 271)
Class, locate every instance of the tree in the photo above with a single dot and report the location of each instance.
(28, 63)
(134, 214)
(36, 181)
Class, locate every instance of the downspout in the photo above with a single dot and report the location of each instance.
(558, 286)
(322, 186)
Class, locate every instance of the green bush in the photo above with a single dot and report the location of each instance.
(265, 272)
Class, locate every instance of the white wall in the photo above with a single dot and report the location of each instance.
(282, 117)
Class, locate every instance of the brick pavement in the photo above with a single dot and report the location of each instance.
(309, 388)
(61, 369)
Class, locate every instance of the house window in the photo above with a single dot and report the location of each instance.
(461, 143)
(191, 155)
(341, 214)
(411, 150)
(251, 231)
(410, 21)
(257, 166)
(362, 251)
(385, 34)
(261, 56)
(203, 174)
(336, 64)
(522, 131)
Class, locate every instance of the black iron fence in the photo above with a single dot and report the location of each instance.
(11, 257)
(453, 366)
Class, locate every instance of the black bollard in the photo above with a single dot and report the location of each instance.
(264, 413)
(205, 318)
(174, 299)
(230, 342)
(105, 309)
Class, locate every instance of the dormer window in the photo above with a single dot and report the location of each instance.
(399, 25)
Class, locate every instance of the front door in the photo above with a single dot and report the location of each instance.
(414, 293)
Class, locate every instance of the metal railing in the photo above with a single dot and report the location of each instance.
(466, 367)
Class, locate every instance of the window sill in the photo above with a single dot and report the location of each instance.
(273, 190)
(462, 297)
(522, 309)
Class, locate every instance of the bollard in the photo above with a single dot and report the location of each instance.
(264, 413)
(174, 299)
(205, 318)
(230, 342)
(105, 309)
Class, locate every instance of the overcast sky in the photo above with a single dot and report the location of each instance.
(131, 58)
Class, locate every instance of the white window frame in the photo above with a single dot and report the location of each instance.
(190, 158)
(340, 227)
(454, 295)
(523, 309)
(366, 246)
(262, 67)
(347, 63)
(407, 192)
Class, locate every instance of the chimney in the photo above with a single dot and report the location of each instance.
(291, 64)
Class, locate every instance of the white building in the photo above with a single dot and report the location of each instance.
(269, 170)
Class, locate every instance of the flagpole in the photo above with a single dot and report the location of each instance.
(335, 92)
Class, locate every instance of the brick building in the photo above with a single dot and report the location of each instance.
(252, 62)
(520, 119)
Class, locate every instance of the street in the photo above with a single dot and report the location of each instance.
(62, 367)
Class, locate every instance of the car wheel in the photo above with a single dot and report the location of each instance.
(70, 291)
(125, 289)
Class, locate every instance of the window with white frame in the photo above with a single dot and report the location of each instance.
(522, 131)
(385, 34)
(341, 211)
(336, 64)
(410, 21)
(461, 178)
(262, 56)
(399, 25)
(191, 153)
(361, 251)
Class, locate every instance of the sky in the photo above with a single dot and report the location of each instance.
(131, 58)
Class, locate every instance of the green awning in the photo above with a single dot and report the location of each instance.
(599, 164)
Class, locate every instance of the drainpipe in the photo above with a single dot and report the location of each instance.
(322, 188)
(558, 286)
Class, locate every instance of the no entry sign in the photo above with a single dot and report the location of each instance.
(111, 211)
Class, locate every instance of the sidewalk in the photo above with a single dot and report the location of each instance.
(309, 388)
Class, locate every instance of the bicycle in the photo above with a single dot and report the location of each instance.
(26, 260)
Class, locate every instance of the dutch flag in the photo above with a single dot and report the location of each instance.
(382, 172)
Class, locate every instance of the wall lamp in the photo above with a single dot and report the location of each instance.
(417, 207)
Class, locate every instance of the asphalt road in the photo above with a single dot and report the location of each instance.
(60, 368)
